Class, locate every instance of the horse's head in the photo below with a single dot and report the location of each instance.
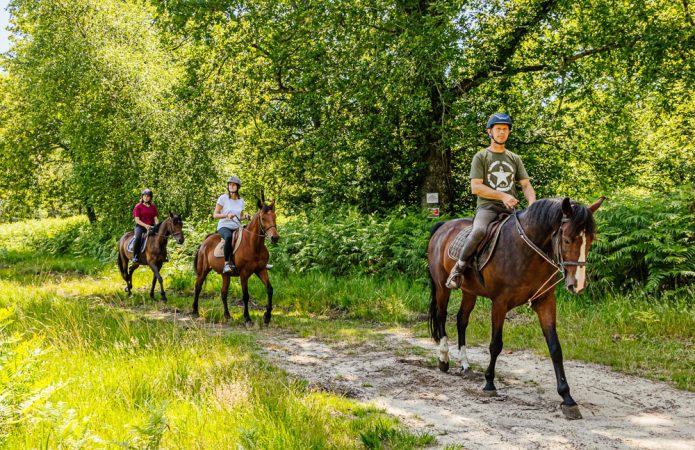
(266, 215)
(175, 227)
(573, 240)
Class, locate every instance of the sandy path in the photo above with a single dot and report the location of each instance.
(620, 411)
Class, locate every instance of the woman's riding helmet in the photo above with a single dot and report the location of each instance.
(234, 179)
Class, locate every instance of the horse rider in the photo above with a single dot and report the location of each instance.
(146, 216)
(494, 174)
(229, 209)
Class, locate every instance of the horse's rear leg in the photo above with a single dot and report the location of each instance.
(129, 287)
(546, 310)
(499, 312)
(467, 305)
(263, 275)
(199, 280)
(225, 290)
(438, 307)
(244, 280)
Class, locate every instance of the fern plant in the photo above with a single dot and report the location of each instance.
(646, 242)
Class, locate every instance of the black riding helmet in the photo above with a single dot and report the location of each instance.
(146, 192)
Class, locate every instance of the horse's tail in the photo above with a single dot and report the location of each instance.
(122, 265)
(432, 322)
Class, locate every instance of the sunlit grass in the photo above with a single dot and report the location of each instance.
(89, 369)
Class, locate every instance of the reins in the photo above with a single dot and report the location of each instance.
(558, 262)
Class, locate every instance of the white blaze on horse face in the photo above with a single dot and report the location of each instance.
(444, 349)
(581, 270)
(464, 358)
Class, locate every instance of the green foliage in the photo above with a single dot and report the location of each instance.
(646, 242)
(349, 241)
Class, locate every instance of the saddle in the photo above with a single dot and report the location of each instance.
(131, 242)
(218, 252)
(486, 247)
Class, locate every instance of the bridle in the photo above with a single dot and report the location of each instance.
(557, 261)
(167, 233)
(264, 230)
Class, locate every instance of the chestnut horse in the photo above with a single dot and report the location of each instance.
(155, 252)
(250, 258)
(551, 237)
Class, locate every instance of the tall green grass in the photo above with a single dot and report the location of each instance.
(77, 370)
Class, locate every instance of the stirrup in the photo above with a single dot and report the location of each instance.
(456, 273)
(136, 259)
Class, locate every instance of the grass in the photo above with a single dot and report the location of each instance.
(81, 366)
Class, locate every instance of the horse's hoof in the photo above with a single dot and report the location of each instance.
(491, 393)
(571, 412)
(444, 366)
(195, 314)
(163, 299)
(467, 372)
(266, 319)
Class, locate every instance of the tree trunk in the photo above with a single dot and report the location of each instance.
(91, 214)
(438, 157)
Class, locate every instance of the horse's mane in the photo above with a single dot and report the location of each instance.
(548, 212)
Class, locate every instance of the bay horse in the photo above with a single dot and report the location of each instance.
(154, 254)
(250, 258)
(551, 237)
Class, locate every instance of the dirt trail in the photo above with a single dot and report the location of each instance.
(620, 411)
(399, 374)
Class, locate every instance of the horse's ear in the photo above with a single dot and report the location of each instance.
(263, 195)
(567, 207)
(260, 204)
(594, 206)
(171, 214)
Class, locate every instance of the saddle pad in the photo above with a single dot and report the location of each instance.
(488, 246)
(219, 249)
(129, 247)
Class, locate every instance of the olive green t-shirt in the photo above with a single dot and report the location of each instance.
(499, 171)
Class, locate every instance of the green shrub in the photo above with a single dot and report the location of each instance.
(350, 242)
(646, 242)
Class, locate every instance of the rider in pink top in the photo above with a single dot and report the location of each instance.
(146, 216)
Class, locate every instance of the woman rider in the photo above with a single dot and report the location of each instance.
(146, 216)
(229, 209)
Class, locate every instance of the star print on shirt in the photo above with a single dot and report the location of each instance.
(503, 179)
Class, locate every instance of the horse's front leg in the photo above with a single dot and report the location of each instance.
(244, 280)
(499, 312)
(263, 275)
(546, 310)
(157, 277)
(225, 290)
(464, 314)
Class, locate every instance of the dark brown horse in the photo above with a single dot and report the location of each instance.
(250, 258)
(551, 237)
(155, 252)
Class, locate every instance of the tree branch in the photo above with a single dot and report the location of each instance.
(564, 62)
(507, 49)
(687, 13)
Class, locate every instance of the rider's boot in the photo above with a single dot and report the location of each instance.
(456, 275)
